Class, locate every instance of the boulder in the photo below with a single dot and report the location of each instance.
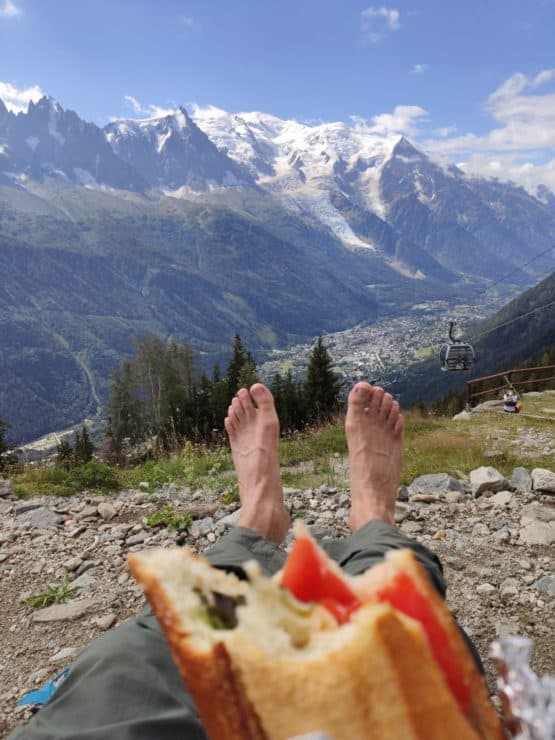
(39, 518)
(230, 520)
(543, 480)
(502, 498)
(5, 488)
(63, 612)
(521, 480)
(434, 484)
(106, 510)
(538, 525)
(462, 416)
(546, 584)
(487, 478)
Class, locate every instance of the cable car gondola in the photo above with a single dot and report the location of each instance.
(455, 355)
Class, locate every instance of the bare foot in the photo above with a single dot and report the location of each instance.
(254, 438)
(374, 429)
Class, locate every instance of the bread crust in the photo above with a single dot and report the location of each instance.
(381, 681)
(221, 700)
(481, 712)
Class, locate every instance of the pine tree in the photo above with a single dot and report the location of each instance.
(321, 391)
(83, 448)
(241, 367)
(64, 455)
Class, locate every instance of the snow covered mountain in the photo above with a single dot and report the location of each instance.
(49, 141)
(172, 154)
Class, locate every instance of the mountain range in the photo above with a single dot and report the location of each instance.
(197, 225)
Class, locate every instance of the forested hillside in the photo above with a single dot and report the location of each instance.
(523, 329)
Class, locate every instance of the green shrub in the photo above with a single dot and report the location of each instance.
(95, 475)
(48, 596)
(231, 496)
(57, 481)
(167, 517)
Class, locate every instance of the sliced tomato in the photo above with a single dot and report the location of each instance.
(308, 577)
(403, 594)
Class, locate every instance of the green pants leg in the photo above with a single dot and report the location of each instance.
(125, 685)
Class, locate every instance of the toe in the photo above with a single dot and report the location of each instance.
(398, 428)
(238, 409)
(376, 400)
(262, 396)
(393, 414)
(360, 395)
(230, 429)
(244, 397)
(387, 403)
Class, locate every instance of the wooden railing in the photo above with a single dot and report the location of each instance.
(511, 377)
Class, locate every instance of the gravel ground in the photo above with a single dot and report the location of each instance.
(495, 538)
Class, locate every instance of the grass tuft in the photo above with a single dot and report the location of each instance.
(49, 595)
(167, 517)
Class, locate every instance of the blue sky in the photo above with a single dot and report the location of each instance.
(461, 70)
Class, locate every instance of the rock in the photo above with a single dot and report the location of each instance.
(402, 493)
(455, 563)
(485, 588)
(205, 525)
(525, 564)
(39, 518)
(84, 567)
(6, 488)
(144, 484)
(462, 416)
(319, 532)
(107, 511)
(104, 623)
(23, 508)
(538, 512)
(547, 585)
(63, 612)
(434, 484)
(72, 564)
(411, 527)
(65, 655)
(502, 498)
(538, 525)
(327, 490)
(230, 520)
(521, 480)
(88, 512)
(509, 588)
(137, 539)
(84, 581)
(425, 498)
(439, 535)
(453, 497)
(487, 478)
(543, 480)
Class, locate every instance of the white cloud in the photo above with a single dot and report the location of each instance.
(378, 22)
(402, 121)
(9, 10)
(418, 69)
(444, 131)
(150, 110)
(16, 99)
(521, 145)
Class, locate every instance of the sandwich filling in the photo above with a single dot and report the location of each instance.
(309, 576)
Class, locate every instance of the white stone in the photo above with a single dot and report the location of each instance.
(63, 612)
(485, 588)
(502, 498)
(487, 478)
(543, 480)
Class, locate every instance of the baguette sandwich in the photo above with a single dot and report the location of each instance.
(314, 650)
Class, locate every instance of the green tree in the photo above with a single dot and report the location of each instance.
(241, 367)
(321, 390)
(124, 409)
(64, 455)
(83, 448)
